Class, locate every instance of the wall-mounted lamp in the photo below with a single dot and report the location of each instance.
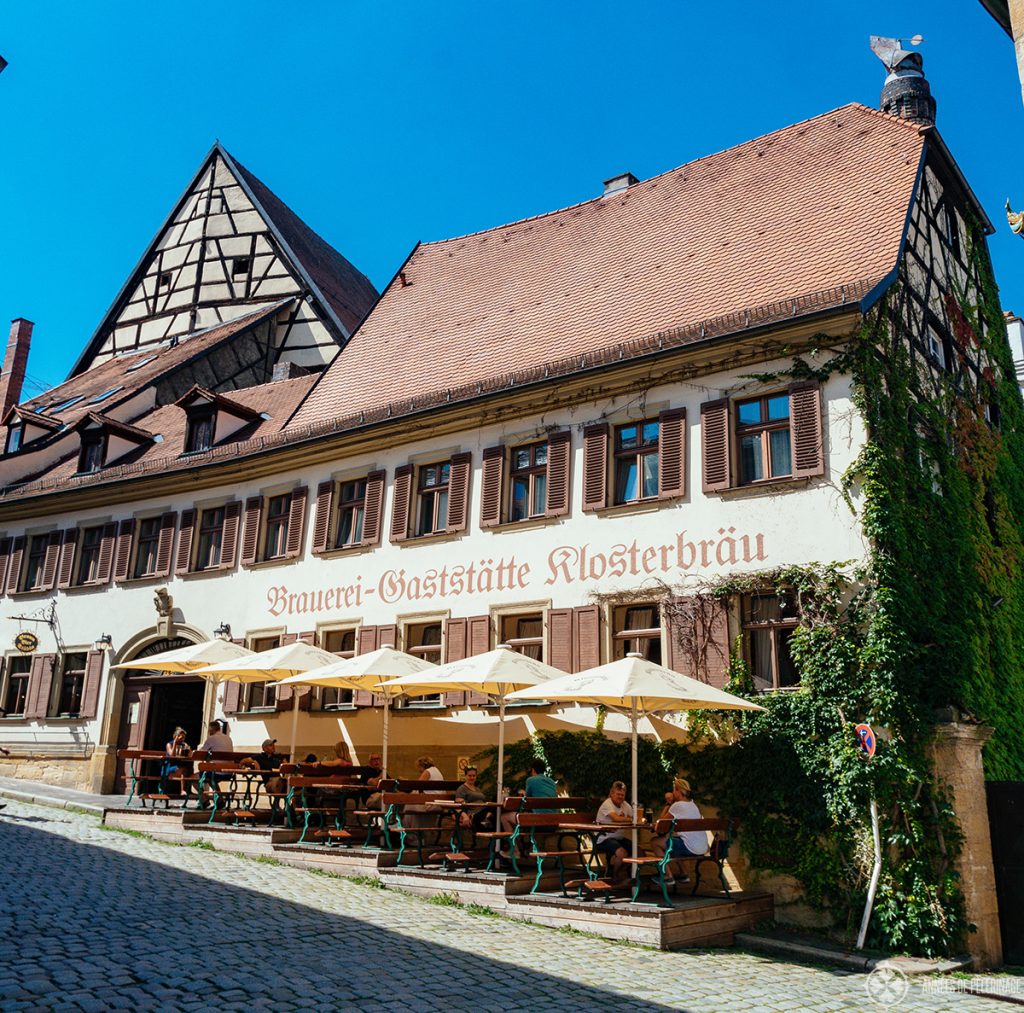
(103, 642)
(223, 632)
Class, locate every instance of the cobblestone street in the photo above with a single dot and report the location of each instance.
(95, 920)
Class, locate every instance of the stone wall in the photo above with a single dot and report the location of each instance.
(66, 772)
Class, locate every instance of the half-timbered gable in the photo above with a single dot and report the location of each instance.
(228, 246)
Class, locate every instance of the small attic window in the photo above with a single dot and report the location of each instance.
(93, 451)
(240, 267)
(164, 280)
(103, 397)
(140, 364)
(14, 438)
(66, 404)
(202, 420)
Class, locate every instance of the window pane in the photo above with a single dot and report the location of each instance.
(778, 407)
(761, 658)
(345, 527)
(446, 470)
(540, 454)
(788, 675)
(426, 523)
(540, 494)
(625, 480)
(627, 438)
(782, 462)
(522, 459)
(751, 469)
(429, 477)
(431, 635)
(520, 498)
(749, 413)
(650, 433)
(357, 534)
(442, 510)
(650, 465)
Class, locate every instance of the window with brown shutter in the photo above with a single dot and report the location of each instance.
(372, 638)
(65, 571)
(262, 695)
(559, 470)
(123, 555)
(763, 439)
(5, 562)
(491, 483)
(14, 565)
(251, 530)
(807, 430)
(35, 563)
(697, 639)
(87, 569)
(341, 642)
(528, 482)
(296, 522)
(401, 502)
(636, 462)
(183, 560)
(595, 467)
(374, 512)
(423, 640)
(456, 648)
(769, 621)
(434, 491)
(275, 541)
(715, 446)
(232, 697)
(636, 628)
(91, 686)
(105, 566)
(229, 542)
(458, 504)
(351, 513)
(672, 453)
(14, 698)
(49, 578)
(72, 684)
(40, 686)
(165, 546)
(322, 522)
(573, 638)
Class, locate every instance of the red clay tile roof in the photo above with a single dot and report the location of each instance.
(814, 206)
(278, 400)
(158, 362)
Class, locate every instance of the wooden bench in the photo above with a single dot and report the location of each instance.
(395, 803)
(550, 823)
(658, 866)
(311, 806)
(377, 821)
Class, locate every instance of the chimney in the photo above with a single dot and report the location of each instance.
(618, 183)
(15, 361)
(905, 93)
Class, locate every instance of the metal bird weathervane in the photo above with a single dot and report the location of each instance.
(906, 93)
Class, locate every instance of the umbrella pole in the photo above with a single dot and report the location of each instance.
(295, 721)
(632, 722)
(384, 734)
(501, 746)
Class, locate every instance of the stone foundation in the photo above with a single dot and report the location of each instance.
(65, 772)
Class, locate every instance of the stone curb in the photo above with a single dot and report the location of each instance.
(51, 802)
(808, 951)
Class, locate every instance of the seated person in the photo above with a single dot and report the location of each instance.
(217, 741)
(269, 761)
(538, 785)
(615, 810)
(341, 755)
(684, 843)
(370, 796)
(482, 819)
(419, 815)
(175, 750)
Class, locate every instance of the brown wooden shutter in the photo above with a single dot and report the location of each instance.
(229, 535)
(806, 431)
(401, 502)
(595, 466)
(65, 572)
(123, 557)
(165, 544)
(91, 684)
(586, 621)
(309, 637)
(715, 445)
(558, 649)
(105, 564)
(296, 522)
(251, 530)
(458, 492)
(387, 635)
(373, 511)
(672, 453)
(456, 647)
(322, 540)
(366, 641)
(479, 642)
(183, 561)
(285, 694)
(14, 570)
(492, 480)
(559, 465)
(52, 558)
(232, 696)
(40, 683)
(5, 559)
(704, 631)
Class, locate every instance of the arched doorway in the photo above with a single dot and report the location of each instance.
(154, 703)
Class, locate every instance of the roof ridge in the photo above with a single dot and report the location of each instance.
(859, 106)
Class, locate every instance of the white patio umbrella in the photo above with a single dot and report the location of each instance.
(366, 673)
(271, 666)
(188, 659)
(639, 688)
(495, 673)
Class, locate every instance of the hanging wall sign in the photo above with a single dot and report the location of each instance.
(26, 642)
(866, 739)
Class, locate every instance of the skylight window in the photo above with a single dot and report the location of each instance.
(140, 364)
(66, 404)
(103, 397)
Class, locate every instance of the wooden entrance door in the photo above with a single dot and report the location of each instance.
(132, 733)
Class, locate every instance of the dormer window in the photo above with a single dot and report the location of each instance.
(14, 437)
(200, 429)
(90, 457)
(25, 426)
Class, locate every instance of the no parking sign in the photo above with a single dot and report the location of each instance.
(865, 739)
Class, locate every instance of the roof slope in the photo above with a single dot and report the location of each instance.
(350, 293)
(819, 204)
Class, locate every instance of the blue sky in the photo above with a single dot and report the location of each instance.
(381, 124)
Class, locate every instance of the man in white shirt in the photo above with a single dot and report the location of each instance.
(615, 811)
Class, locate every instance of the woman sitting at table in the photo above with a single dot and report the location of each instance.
(418, 815)
(684, 843)
(341, 756)
(468, 791)
(615, 811)
(176, 749)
